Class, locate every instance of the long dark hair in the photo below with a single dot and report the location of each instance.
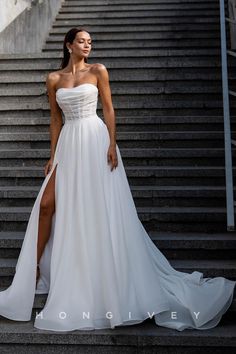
(69, 37)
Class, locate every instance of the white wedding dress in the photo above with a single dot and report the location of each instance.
(100, 268)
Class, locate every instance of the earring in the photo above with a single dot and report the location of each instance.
(70, 51)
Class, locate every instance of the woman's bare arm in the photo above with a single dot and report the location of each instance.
(107, 106)
(56, 117)
(108, 111)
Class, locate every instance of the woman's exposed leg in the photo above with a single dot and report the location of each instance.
(47, 209)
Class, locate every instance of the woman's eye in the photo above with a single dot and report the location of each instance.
(83, 42)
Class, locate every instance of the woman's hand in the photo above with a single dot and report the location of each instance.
(48, 166)
(112, 156)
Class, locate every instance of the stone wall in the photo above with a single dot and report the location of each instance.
(10, 10)
(27, 32)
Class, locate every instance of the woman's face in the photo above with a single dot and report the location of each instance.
(82, 44)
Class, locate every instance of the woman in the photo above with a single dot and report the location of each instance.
(74, 73)
(95, 260)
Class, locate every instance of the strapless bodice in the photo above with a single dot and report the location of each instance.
(78, 102)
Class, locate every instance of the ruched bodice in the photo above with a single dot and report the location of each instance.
(78, 102)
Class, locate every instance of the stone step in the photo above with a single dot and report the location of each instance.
(188, 12)
(144, 195)
(41, 125)
(143, 143)
(189, 76)
(190, 246)
(174, 219)
(115, 54)
(26, 90)
(137, 175)
(142, 2)
(204, 136)
(132, 105)
(130, 112)
(145, 75)
(145, 337)
(165, 121)
(161, 123)
(124, 126)
(137, 43)
(73, 7)
(37, 125)
(195, 245)
(142, 139)
(210, 268)
(144, 35)
(113, 29)
(126, 99)
(131, 156)
(191, 62)
(122, 21)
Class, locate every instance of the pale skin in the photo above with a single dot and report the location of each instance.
(74, 74)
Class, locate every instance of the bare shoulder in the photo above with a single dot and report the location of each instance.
(53, 78)
(100, 71)
(98, 68)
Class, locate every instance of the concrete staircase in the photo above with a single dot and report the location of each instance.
(163, 57)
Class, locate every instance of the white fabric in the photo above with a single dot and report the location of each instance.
(99, 259)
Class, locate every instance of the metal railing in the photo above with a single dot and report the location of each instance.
(228, 141)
